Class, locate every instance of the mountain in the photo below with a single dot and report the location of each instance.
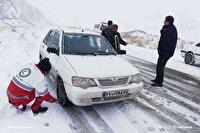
(143, 39)
(20, 13)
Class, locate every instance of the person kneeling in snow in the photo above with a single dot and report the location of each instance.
(28, 81)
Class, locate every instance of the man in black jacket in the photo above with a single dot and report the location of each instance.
(117, 34)
(166, 48)
(107, 29)
(110, 34)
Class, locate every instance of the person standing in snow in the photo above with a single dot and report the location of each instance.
(107, 29)
(117, 34)
(111, 33)
(166, 48)
(26, 83)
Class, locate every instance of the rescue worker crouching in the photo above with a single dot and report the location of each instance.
(26, 83)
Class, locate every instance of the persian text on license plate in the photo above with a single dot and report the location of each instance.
(115, 93)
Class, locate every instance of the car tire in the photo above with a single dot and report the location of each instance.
(40, 57)
(189, 58)
(61, 94)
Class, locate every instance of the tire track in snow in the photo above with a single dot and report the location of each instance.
(137, 117)
(166, 122)
(191, 99)
(177, 88)
(177, 116)
(172, 83)
(80, 123)
(115, 118)
(183, 101)
(95, 117)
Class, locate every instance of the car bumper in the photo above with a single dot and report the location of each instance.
(94, 95)
(183, 53)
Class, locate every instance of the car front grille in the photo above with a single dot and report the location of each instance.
(113, 81)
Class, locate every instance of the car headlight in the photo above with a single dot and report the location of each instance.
(83, 82)
(135, 79)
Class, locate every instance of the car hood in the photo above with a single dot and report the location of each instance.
(101, 66)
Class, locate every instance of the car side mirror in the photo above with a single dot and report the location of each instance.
(121, 52)
(53, 50)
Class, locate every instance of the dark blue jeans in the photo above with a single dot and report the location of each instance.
(162, 61)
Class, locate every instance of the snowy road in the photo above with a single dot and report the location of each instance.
(174, 108)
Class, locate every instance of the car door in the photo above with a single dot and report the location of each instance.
(55, 43)
(45, 44)
(197, 52)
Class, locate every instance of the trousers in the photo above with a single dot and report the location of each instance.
(161, 62)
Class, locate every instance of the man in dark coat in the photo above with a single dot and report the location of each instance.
(107, 29)
(111, 33)
(166, 48)
(117, 34)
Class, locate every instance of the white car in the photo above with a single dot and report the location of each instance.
(191, 53)
(87, 70)
(99, 27)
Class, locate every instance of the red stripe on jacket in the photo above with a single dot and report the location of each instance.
(16, 90)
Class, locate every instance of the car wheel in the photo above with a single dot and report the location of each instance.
(61, 94)
(40, 57)
(189, 58)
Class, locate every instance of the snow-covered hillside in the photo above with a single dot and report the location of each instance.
(19, 13)
(187, 24)
(143, 39)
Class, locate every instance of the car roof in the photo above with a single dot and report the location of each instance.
(77, 30)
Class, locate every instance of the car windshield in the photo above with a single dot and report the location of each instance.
(86, 44)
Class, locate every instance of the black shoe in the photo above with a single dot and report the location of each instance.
(157, 84)
(153, 80)
(40, 110)
(23, 108)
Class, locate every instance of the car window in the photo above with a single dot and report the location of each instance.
(46, 37)
(49, 38)
(55, 40)
(198, 45)
(78, 43)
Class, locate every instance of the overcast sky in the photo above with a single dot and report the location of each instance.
(122, 12)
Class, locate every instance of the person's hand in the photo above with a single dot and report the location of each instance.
(57, 101)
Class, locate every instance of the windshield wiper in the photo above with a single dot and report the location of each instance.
(83, 53)
(105, 53)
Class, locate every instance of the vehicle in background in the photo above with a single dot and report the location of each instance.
(87, 70)
(99, 27)
(191, 53)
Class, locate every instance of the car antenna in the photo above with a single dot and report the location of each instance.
(78, 25)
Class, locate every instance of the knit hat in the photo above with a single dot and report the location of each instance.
(170, 19)
(44, 65)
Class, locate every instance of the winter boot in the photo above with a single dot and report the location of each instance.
(23, 108)
(40, 110)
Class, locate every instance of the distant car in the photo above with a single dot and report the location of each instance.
(99, 27)
(87, 70)
(191, 53)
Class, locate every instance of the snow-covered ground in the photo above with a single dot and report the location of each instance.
(17, 48)
(21, 47)
(176, 62)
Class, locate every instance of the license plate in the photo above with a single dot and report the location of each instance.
(115, 93)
